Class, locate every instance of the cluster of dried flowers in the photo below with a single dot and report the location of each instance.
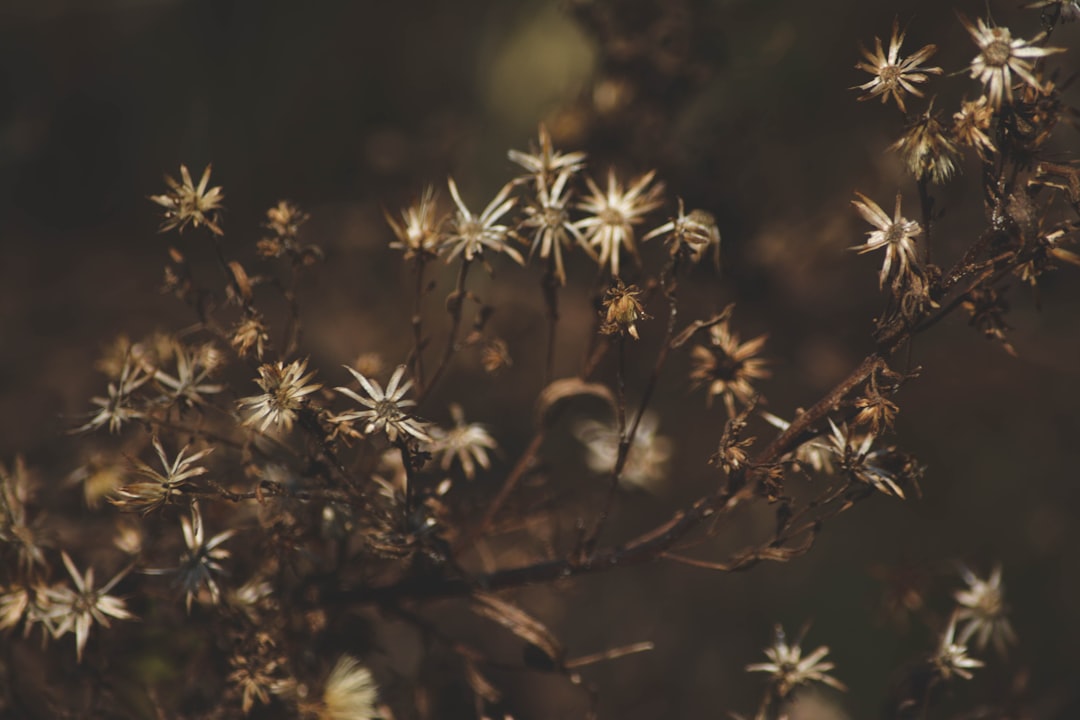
(325, 500)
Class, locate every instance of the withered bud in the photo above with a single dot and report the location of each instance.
(495, 356)
(622, 310)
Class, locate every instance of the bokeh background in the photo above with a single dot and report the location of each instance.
(742, 106)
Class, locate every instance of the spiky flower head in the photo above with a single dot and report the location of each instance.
(613, 213)
(418, 232)
(76, 610)
(895, 76)
(467, 444)
(286, 389)
(789, 668)
(951, 659)
(897, 235)
(1001, 56)
(728, 366)
(983, 611)
(468, 235)
(385, 408)
(158, 488)
(188, 204)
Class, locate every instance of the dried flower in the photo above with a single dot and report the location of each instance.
(970, 126)
(115, 408)
(728, 366)
(545, 163)
(160, 488)
(285, 219)
(613, 215)
(250, 334)
(194, 366)
(467, 443)
(691, 234)
(350, 692)
(897, 236)
(185, 204)
(875, 410)
(622, 310)
(926, 149)
(418, 233)
(646, 460)
(893, 77)
(495, 356)
(951, 658)
(790, 669)
(983, 611)
(200, 561)
(385, 409)
(547, 216)
(1000, 56)
(468, 234)
(17, 530)
(858, 458)
(80, 608)
(286, 389)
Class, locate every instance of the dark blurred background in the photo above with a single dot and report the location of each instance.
(742, 106)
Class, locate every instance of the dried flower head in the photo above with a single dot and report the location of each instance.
(789, 668)
(160, 488)
(546, 163)
(893, 76)
(285, 219)
(350, 692)
(194, 366)
(647, 459)
(857, 457)
(728, 366)
(983, 611)
(79, 608)
(18, 530)
(418, 234)
(971, 123)
(250, 336)
(1001, 56)
(690, 234)
(622, 310)
(200, 562)
(875, 410)
(927, 150)
(116, 407)
(466, 443)
(896, 235)
(385, 411)
(612, 215)
(286, 388)
(187, 204)
(495, 356)
(547, 216)
(469, 235)
(951, 659)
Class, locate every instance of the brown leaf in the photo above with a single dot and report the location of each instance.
(520, 623)
(240, 277)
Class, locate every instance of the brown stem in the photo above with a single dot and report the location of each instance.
(456, 303)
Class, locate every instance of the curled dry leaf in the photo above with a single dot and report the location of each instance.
(520, 623)
(565, 388)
